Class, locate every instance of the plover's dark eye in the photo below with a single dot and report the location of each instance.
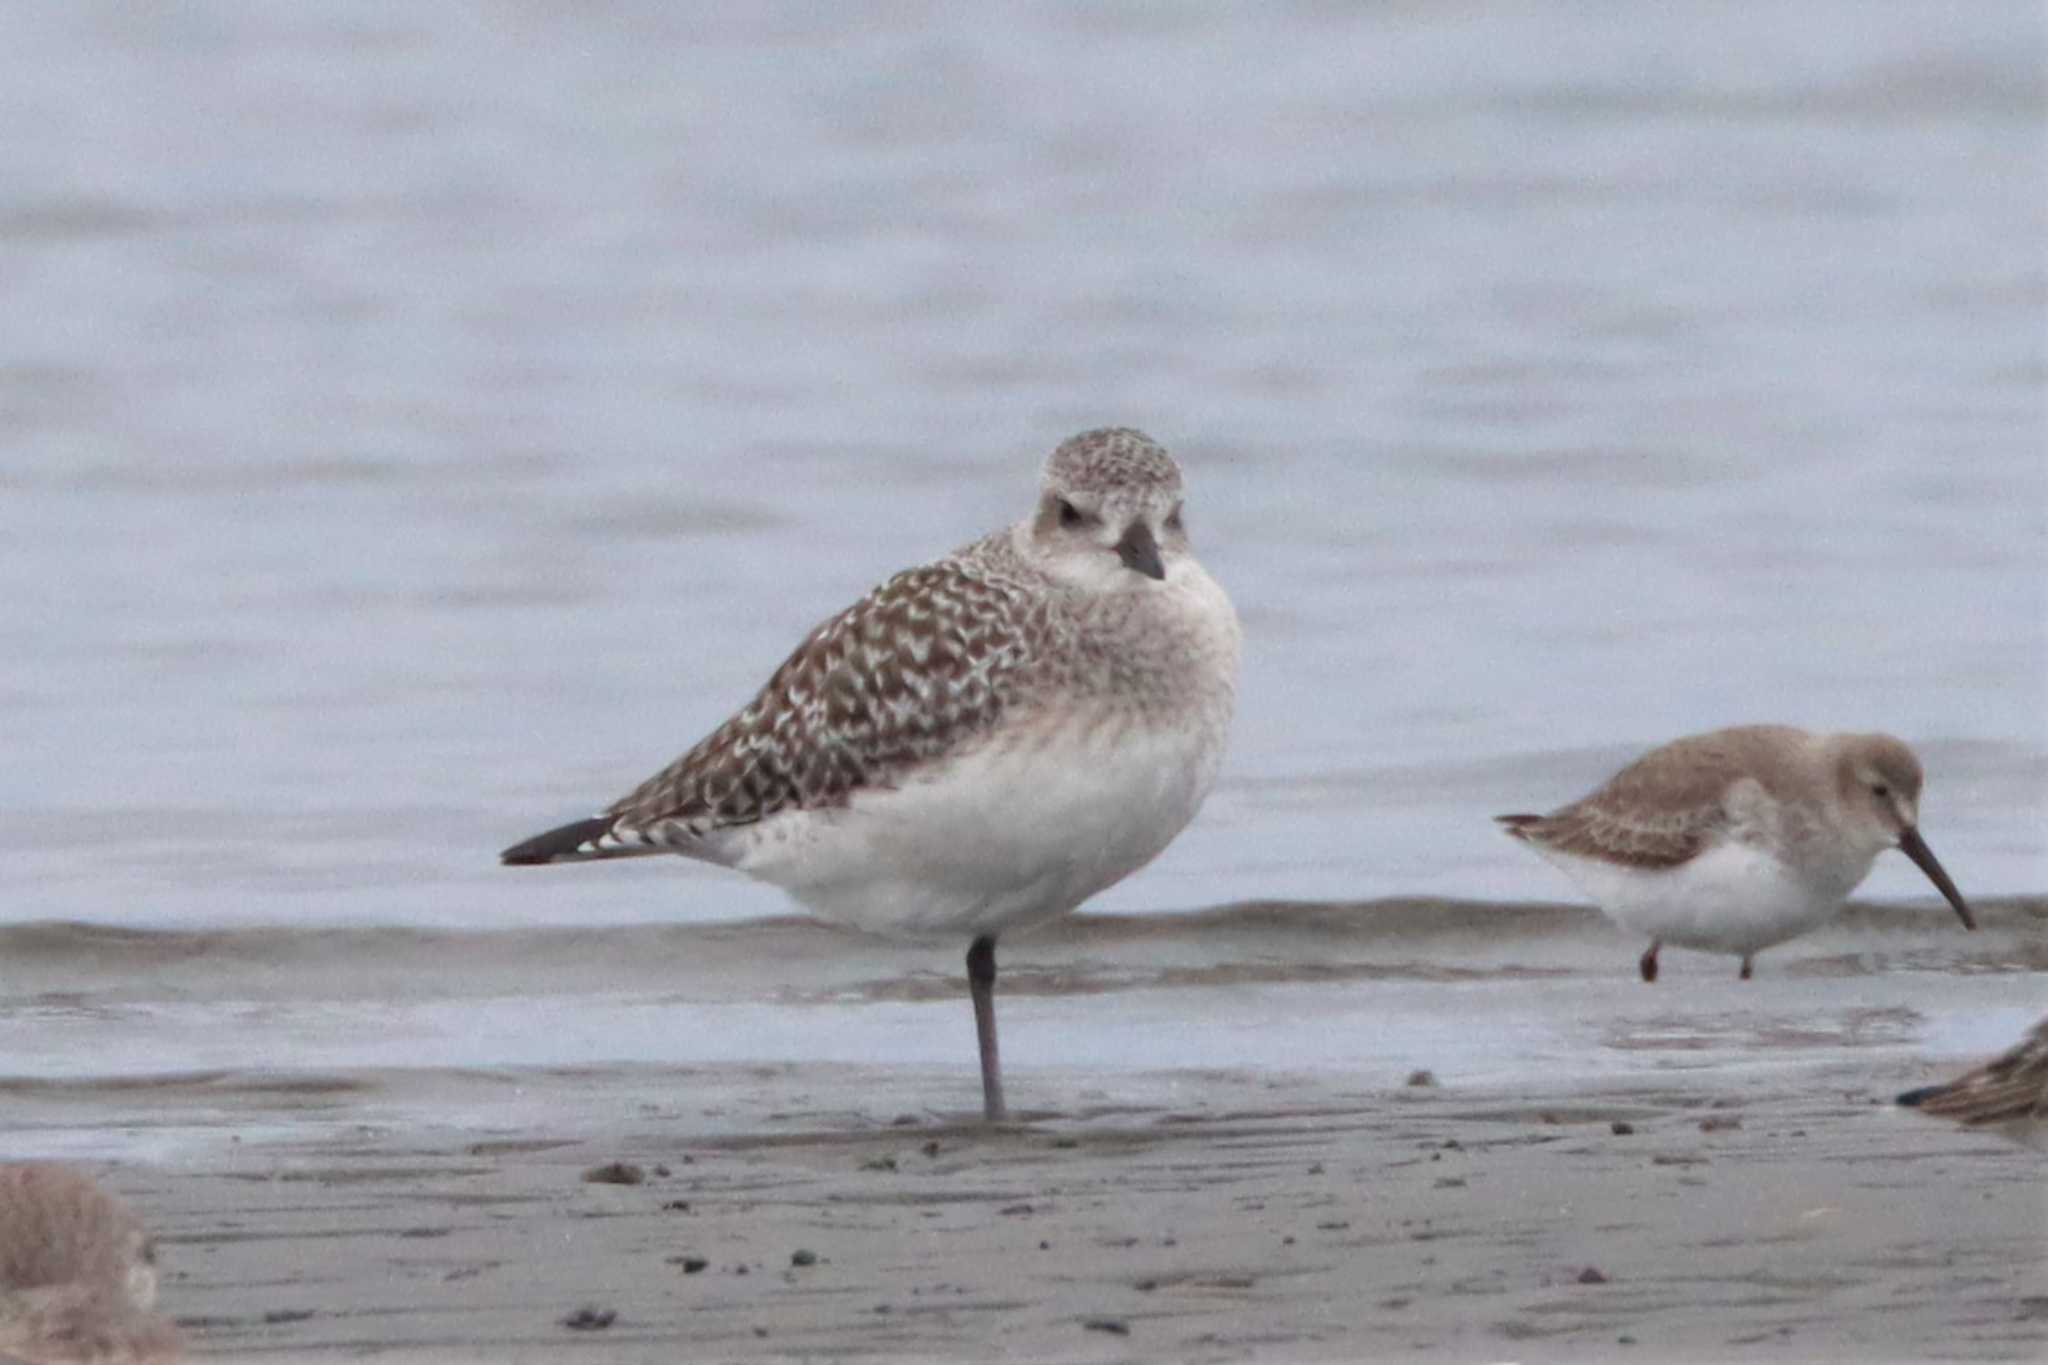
(1880, 791)
(1071, 515)
(1173, 518)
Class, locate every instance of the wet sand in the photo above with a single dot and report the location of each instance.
(371, 1143)
(813, 1212)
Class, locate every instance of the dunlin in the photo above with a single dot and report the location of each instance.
(1739, 839)
(979, 744)
(77, 1274)
(2007, 1095)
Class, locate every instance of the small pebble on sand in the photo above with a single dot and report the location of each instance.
(1422, 1078)
(1591, 1275)
(590, 1318)
(615, 1173)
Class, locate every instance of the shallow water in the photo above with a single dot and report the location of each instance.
(1525, 999)
(421, 423)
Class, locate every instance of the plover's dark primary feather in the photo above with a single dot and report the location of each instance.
(577, 841)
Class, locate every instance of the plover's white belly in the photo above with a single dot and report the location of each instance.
(1001, 837)
(1735, 897)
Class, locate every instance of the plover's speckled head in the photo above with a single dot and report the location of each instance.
(1111, 460)
(1109, 510)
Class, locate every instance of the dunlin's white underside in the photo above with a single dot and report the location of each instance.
(1732, 898)
(1738, 839)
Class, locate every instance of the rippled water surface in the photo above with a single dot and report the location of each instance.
(1521, 997)
(420, 422)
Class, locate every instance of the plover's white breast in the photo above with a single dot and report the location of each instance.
(1018, 829)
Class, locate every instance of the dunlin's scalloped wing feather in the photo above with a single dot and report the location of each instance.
(1665, 808)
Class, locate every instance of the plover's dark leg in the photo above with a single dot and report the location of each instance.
(1649, 962)
(1745, 966)
(981, 981)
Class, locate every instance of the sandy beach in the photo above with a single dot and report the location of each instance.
(1721, 1175)
(1275, 1218)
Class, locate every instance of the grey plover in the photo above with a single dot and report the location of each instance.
(979, 744)
(1739, 839)
(2007, 1095)
(77, 1273)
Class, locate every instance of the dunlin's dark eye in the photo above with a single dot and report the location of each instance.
(1071, 515)
(1173, 518)
(1880, 791)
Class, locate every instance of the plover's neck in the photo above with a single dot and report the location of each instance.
(1152, 647)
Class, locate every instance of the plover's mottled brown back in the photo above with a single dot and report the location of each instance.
(2006, 1095)
(1738, 839)
(980, 743)
(77, 1274)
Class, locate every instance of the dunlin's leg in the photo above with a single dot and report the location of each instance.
(1649, 962)
(981, 981)
(1745, 966)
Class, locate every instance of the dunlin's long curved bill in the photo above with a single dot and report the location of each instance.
(1915, 847)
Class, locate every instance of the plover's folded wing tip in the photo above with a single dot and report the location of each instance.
(600, 836)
